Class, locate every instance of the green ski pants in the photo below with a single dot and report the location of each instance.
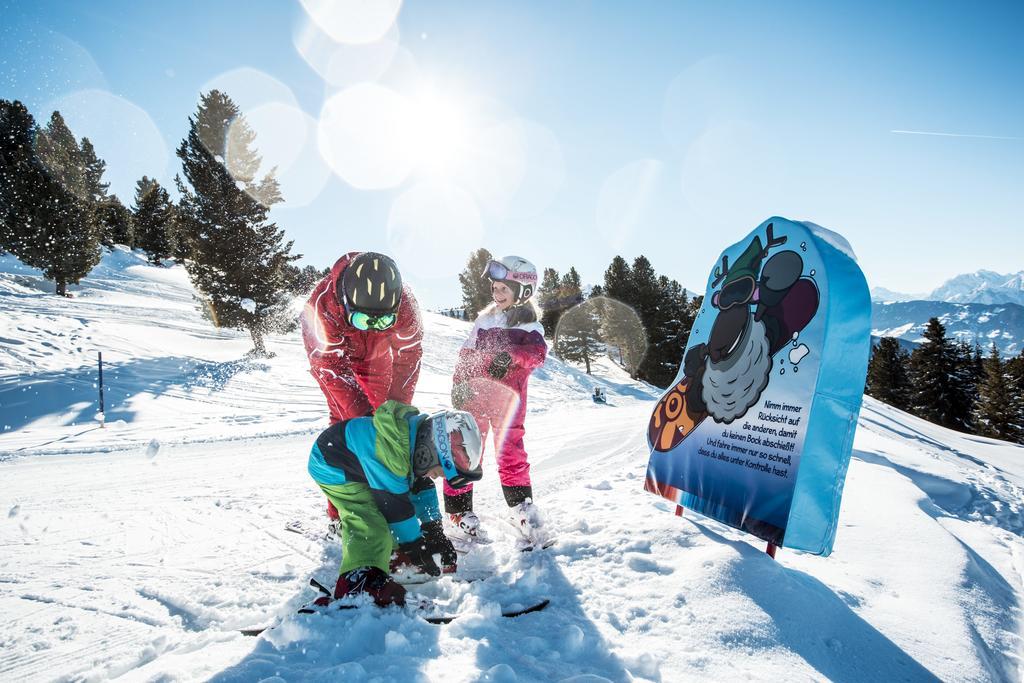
(366, 539)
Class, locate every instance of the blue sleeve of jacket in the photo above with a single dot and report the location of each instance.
(399, 513)
(424, 499)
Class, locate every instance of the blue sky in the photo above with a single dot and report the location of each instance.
(570, 132)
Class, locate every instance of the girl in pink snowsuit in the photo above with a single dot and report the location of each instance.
(506, 344)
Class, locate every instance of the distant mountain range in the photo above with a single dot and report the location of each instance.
(985, 324)
(984, 307)
(981, 287)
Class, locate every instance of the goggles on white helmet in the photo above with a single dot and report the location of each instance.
(516, 272)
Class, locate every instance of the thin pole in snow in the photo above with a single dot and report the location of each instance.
(771, 550)
(102, 417)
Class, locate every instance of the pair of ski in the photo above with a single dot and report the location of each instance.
(418, 610)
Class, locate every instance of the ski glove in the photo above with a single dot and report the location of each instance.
(418, 554)
(462, 393)
(437, 542)
(499, 366)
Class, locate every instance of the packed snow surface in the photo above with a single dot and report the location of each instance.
(139, 550)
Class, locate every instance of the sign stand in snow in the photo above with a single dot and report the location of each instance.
(757, 429)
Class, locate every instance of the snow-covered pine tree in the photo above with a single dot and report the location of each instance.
(476, 289)
(155, 220)
(236, 256)
(938, 394)
(67, 240)
(888, 374)
(997, 412)
(548, 294)
(115, 223)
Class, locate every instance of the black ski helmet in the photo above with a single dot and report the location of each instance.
(371, 284)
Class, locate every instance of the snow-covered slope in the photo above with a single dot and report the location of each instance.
(169, 374)
(120, 559)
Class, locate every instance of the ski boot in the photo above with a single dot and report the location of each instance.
(466, 526)
(404, 571)
(527, 520)
(371, 581)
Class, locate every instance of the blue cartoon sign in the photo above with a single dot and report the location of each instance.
(757, 429)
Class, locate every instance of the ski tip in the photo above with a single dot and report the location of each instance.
(253, 632)
(542, 546)
(527, 610)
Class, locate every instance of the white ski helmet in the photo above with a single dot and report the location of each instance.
(516, 272)
(454, 442)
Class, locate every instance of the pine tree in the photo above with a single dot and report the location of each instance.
(667, 333)
(577, 337)
(644, 292)
(236, 256)
(967, 378)
(476, 289)
(888, 374)
(618, 281)
(938, 394)
(301, 282)
(548, 298)
(22, 183)
(998, 411)
(115, 223)
(67, 241)
(155, 220)
(615, 322)
(93, 169)
(1015, 377)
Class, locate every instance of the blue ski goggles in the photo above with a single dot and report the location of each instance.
(363, 321)
(495, 270)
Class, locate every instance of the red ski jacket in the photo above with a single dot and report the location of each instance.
(357, 370)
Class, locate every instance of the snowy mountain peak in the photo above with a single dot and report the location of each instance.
(982, 287)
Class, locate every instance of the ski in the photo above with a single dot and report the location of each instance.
(509, 614)
(298, 526)
(434, 619)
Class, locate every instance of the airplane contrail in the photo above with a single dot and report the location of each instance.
(954, 135)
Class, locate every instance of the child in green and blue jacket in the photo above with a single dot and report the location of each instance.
(378, 472)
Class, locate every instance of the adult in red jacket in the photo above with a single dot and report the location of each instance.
(362, 331)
